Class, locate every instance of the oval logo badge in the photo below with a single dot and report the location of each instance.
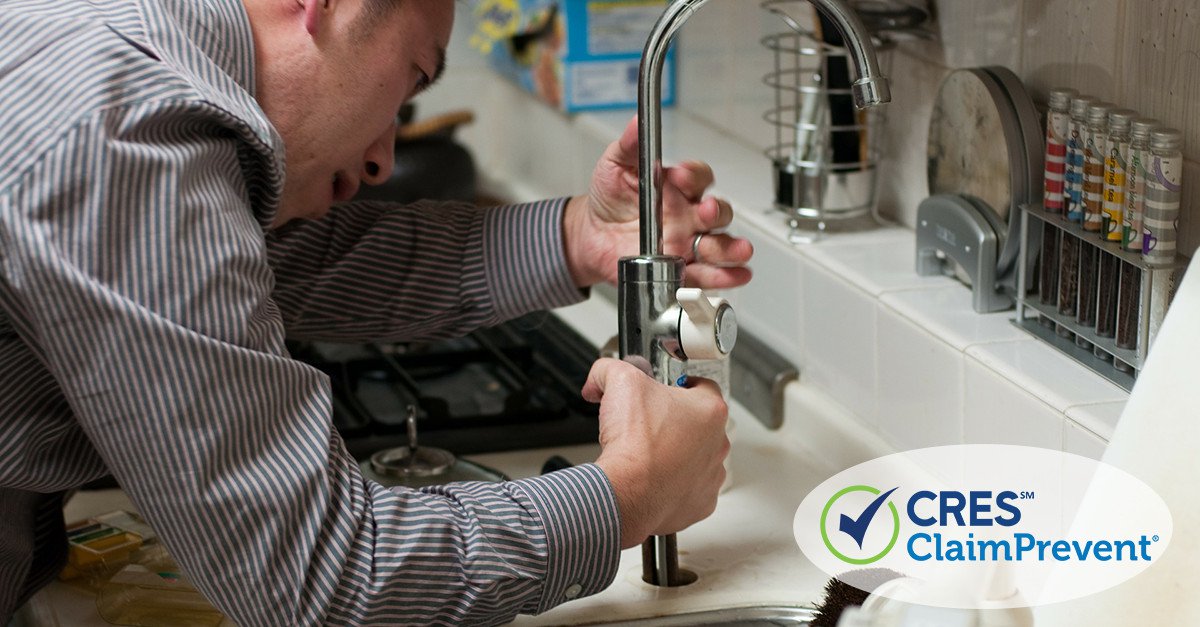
(983, 525)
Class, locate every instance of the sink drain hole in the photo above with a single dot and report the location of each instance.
(682, 577)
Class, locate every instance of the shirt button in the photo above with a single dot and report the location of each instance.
(572, 591)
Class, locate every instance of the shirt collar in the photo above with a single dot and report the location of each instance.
(210, 44)
(218, 29)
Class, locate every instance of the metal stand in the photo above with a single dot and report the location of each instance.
(1156, 281)
(810, 187)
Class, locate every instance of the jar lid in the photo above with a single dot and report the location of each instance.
(1098, 113)
(1166, 139)
(1119, 120)
(1079, 106)
(1142, 127)
(1060, 98)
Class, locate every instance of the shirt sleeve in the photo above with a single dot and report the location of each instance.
(372, 271)
(131, 263)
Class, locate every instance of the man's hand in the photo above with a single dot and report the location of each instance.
(663, 448)
(602, 227)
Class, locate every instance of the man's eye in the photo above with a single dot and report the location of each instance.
(422, 82)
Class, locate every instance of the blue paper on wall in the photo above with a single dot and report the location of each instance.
(575, 55)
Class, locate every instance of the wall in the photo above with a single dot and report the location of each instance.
(1142, 54)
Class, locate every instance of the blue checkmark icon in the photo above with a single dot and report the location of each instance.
(857, 527)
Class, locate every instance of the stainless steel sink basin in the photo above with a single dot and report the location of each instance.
(760, 616)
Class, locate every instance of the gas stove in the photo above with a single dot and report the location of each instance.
(513, 386)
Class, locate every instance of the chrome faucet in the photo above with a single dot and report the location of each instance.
(661, 324)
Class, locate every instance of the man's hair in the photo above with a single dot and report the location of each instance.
(373, 12)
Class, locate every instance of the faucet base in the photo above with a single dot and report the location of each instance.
(660, 563)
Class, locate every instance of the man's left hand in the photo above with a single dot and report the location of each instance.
(602, 227)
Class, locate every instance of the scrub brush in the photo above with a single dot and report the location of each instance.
(839, 595)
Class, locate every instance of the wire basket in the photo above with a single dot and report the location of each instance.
(823, 171)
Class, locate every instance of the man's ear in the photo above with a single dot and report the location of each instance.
(315, 14)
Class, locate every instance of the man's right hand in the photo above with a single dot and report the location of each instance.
(663, 448)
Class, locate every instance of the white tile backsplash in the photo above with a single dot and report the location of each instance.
(998, 412)
(1080, 441)
(838, 327)
(721, 68)
(771, 306)
(920, 380)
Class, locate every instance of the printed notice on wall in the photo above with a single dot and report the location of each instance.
(607, 82)
(620, 27)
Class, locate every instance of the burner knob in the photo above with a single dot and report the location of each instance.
(707, 324)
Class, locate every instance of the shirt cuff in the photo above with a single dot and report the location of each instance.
(583, 532)
(525, 261)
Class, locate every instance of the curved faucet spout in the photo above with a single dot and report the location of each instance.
(648, 284)
(869, 90)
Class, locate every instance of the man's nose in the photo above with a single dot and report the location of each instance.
(380, 158)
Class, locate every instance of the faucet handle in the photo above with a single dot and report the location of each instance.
(707, 324)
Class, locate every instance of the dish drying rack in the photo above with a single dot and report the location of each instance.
(810, 187)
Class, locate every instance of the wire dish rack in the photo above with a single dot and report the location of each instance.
(823, 171)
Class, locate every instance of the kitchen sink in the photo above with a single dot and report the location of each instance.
(756, 616)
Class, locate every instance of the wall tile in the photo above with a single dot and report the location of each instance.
(1101, 419)
(980, 32)
(1189, 215)
(947, 313)
(838, 322)
(884, 265)
(771, 306)
(997, 411)
(1162, 64)
(721, 66)
(920, 385)
(1080, 441)
(1073, 43)
(1048, 374)
(903, 175)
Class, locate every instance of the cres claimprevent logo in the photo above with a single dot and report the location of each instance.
(1059, 526)
(857, 539)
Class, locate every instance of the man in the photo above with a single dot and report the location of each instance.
(154, 252)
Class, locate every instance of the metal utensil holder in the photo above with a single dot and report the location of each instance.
(810, 188)
(1154, 279)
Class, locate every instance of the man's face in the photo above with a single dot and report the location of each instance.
(333, 91)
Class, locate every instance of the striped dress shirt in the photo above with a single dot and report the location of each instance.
(143, 310)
